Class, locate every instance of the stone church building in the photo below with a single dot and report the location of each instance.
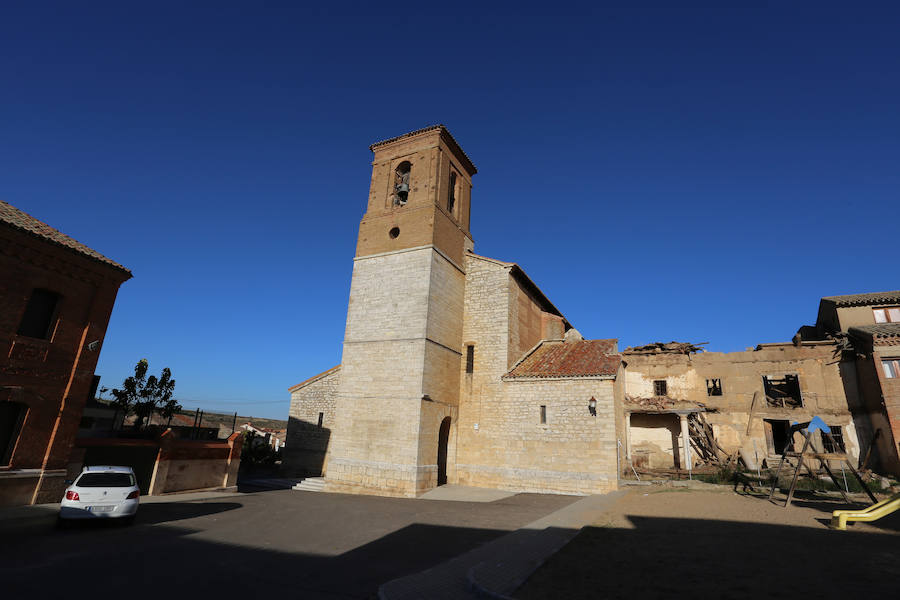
(456, 367)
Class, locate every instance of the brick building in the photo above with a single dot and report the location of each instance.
(56, 299)
(457, 368)
(868, 325)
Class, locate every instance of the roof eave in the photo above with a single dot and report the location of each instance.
(105, 262)
(313, 379)
(556, 377)
(445, 135)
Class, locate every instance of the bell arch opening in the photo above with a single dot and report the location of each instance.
(401, 183)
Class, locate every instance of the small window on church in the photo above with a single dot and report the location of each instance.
(401, 183)
(543, 414)
(451, 194)
(470, 358)
(660, 388)
(321, 418)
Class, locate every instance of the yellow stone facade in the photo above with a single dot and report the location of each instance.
(403, 412)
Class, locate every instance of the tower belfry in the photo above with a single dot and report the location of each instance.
(396, 407)
(420, 195)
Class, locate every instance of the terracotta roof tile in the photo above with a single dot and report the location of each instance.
(864, 299)
(588, 358)
(451, 141)
(22, 221)
(879, 330)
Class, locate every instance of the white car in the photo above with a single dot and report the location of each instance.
(102, 492)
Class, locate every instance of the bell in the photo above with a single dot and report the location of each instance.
(403, 188)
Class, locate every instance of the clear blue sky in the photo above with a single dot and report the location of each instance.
(697, 172)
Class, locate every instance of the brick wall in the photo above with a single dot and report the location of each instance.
(54, 375)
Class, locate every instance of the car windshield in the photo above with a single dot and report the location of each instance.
(105, 480)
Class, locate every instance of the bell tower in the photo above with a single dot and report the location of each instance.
(399, 383)
(420, 194)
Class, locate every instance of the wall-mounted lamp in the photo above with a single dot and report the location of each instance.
(94, 346)
(592, 406)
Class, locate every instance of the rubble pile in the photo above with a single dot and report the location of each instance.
(657, 402)
(666, 348)
(703, 440)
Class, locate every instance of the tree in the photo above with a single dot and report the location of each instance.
(142, 396)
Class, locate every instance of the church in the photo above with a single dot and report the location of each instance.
(456, 368)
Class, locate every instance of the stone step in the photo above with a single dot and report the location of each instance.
(311, 484)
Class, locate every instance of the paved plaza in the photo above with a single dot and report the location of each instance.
(280, 543)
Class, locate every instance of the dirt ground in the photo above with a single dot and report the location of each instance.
(663, 543)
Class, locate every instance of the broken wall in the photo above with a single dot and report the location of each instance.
(741, 375)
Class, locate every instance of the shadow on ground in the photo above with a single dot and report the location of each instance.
(149, 562)
(668, 557)
(159, 512)
(278, 544)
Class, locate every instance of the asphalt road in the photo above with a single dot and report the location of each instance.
(275, 544)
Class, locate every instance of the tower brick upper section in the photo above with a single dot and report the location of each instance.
(420, 195)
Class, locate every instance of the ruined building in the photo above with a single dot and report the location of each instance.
(457, 368)
(749, 398)
(845, 369)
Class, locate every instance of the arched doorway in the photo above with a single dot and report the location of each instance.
(443, 438)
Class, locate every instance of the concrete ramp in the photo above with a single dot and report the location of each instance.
(465, 493)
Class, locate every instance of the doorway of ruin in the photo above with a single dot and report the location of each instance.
(656, 440)
(443, 439)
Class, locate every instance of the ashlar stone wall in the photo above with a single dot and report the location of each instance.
(501, 442)
(399, 373)
(573, 452)
(306, 449)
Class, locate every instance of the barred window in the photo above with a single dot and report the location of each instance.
(837, 445)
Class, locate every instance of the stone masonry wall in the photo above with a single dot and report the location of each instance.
(742, 374)
(573, 452)
(486, 327)
(444, 330)
(306, 448)
(383, 426)
(500, 440)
